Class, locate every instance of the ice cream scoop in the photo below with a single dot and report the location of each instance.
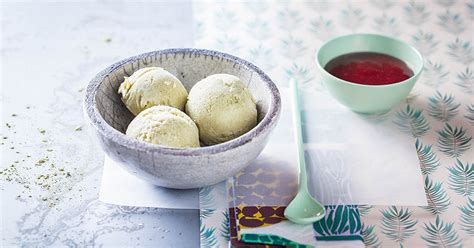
(164, 125)
(152, 86)
(222, 107)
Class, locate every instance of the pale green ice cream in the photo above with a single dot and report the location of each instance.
(152, 86)
(164, 125)
(222, 107)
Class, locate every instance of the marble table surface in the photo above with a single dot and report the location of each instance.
(50, 168)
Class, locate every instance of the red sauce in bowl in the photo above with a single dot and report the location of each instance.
(369, 68)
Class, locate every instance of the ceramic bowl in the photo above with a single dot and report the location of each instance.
(368, 99)
(174, 167)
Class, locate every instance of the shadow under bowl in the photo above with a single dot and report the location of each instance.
(175, 167)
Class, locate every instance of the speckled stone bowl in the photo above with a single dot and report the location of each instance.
(173, 167)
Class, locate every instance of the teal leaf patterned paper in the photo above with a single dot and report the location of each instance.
(461, 51)
(339, 220)
(300, 73)
(424, 42)
(466, 81)
(412, 122)
(451, 22)
(470, 114)
(289, 19)
(352, 17)
(281, 37)
(416, 13)
(461, 178)
(438, 200)
(383, 4)
(442, 107)
(364, 209)
(467, 217)
(206, 202)
(259, 29)
(428, 160)
(207, 236)
(440, 234)
(322, 28)
(453, 141)
(225, 228)
(470, 9)
(445, 3)
(398, 224)
(434, 74)
(292, 47)
(387, 25)
(370, 237)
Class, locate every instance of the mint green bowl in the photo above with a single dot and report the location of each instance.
(368, 99)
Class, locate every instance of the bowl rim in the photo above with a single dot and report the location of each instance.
(98, 122)
(412, 48)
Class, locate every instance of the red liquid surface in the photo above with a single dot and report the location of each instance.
(369, 68)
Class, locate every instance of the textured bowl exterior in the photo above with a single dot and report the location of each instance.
(368, 99)
(173, 167)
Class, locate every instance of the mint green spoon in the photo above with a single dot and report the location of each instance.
(303, 209)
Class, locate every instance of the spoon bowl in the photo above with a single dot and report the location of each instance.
(304, 209)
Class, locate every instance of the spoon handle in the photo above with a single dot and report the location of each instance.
(302, 178)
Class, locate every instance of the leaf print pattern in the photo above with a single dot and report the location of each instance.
(466, 81)
(225, 18)
(424, 42)
(451, 22)
(467, 217)
(461, 51)
(322, 28)
(262, 57)
(398, 224)
(442, 107)
(207, 236)
(228, 44)
(470, 114)
(440, 234)
(461, 178)
(225, 229)
(470, 9)
(434, 74)
(412, 122)
(352, 17)
(259, 29)
(300, 73)
(416, 13)
(438, 200)
(383, 4)
(339, 220)
(445, 3)
(387, 25)
(206, 202)
(365, 209)
(198, 30)
(453, 141)
(428, 160)
(288, 19)
(292, 47)
(370, 237)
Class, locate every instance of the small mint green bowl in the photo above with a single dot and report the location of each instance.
(368, 99)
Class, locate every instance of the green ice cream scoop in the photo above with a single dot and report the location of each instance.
(222, 107)
(152, 86)
(164, 125)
